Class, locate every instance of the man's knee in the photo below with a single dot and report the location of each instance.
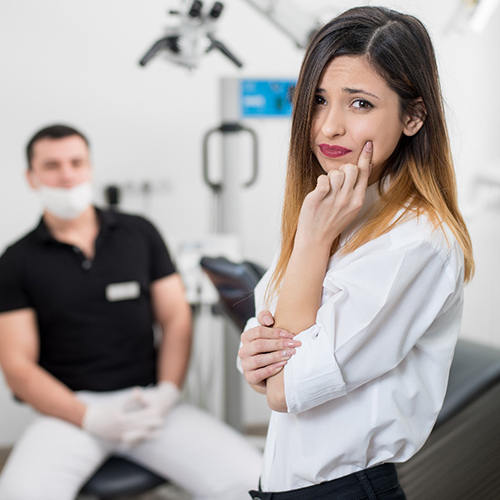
(24, 488)
(12, 488)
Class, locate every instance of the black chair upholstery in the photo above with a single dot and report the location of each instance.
(235, 283)
(119, 477)
(460, 459)
(474, 371)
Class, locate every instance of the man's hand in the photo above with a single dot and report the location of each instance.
(128, 422)
(265, 350)
(161, 398)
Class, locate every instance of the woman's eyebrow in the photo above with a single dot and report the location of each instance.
(348, 90)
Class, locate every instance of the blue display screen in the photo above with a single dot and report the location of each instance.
(266, 98)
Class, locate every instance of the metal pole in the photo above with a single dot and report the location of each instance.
(230, 224)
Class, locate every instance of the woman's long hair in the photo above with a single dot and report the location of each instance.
(421, 169)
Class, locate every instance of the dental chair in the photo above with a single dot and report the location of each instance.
(118, 478)
(461, 458)
(235, 283)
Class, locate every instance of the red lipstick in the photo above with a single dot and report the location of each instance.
(333, 151)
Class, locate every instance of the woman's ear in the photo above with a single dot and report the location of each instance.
(415, 117)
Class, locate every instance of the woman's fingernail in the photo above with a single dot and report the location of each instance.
(288, 352)
(368, 146)
(267, 320)
(289, 343)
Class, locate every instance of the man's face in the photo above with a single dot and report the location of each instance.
(61, 163)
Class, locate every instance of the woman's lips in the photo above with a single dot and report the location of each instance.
(333, 151)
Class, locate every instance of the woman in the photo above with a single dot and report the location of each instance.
(367, 290)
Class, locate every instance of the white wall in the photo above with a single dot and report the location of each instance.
(76, 62)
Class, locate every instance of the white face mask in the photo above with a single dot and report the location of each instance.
(66, 203)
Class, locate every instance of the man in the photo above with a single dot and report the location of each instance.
(79, 296)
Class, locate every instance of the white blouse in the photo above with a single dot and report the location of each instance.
(368, 382)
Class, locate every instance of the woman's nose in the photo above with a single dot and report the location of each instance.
(333, 124)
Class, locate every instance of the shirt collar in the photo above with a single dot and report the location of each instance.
(107, 220)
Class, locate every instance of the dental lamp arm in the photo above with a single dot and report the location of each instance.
(293, 21)
(166, 43)
(216, 44)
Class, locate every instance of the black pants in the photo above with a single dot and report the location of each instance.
(376, 483)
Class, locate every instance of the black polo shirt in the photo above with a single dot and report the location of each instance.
(94, 317)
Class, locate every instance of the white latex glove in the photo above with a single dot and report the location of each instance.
(161, 398)
(128, 422)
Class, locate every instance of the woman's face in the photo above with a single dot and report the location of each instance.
(353, 105)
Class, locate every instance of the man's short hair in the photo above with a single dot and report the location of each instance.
(52, 132)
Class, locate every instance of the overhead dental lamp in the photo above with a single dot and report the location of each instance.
(481, 11)
(194, 36)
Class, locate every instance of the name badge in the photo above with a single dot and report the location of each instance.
(123, 291)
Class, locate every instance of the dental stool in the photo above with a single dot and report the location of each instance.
(119, 477)
(461, 458)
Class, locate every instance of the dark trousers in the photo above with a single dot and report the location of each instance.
(376, 483)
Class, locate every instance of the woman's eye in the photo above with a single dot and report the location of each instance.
(362, 104)
(319, 100)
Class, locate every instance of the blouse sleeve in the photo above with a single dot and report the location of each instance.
(378, 302)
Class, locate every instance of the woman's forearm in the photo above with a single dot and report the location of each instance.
(298, 304)
(325, 213)
(300, 295)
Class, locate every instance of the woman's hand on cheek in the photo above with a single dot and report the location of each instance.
(335, 202)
